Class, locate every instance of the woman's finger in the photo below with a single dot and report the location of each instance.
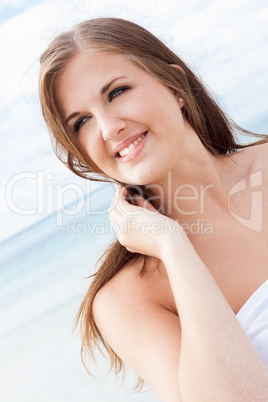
(123, 206)
(141, 202)
(115, 200)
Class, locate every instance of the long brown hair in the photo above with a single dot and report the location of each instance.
(216, 131)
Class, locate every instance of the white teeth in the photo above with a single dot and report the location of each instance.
(126, 150)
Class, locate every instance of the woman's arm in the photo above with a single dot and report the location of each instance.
(216, 359)
(141, 332)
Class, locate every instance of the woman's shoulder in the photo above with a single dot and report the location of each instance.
(129, 315)
(121, 279)
(252, 160)
(259, 165)
(256, 156)
(124, 287)
(133, 288)
(260, 151)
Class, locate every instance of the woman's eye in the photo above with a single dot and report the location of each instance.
(113, 94)
(79, 123)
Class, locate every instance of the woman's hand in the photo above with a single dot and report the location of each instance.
(142, 229)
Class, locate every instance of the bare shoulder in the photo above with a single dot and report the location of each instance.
(261, 153)
(129, 289)
(257, 155)
(260, 165)
(120, 289)
(253, 160)
(135, 324)
(123, 297)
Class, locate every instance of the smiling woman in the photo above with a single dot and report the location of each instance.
(123, 98)
(122, 107)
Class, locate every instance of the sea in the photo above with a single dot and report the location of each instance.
(44, 274)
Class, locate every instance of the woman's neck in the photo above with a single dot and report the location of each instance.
(197, 185)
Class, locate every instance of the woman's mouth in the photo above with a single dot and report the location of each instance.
(129, 149)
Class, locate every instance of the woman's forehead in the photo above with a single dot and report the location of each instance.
(101, 59)
(98, 65)
(88, 73)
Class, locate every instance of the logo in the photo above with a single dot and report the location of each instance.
(255, 220)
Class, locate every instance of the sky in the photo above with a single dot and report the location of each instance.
(225, 42)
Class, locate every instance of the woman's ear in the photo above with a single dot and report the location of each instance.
(179, 99)
(178, 67)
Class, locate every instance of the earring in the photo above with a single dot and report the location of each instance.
(180, 100)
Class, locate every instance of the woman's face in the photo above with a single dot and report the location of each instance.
(128, 123)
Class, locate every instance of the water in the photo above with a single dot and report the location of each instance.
(42, 285)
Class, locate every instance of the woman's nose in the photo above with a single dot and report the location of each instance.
(111, 127)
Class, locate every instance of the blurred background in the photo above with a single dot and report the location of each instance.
(54, 226)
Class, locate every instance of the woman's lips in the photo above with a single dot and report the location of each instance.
(127, 143)
(132, 150)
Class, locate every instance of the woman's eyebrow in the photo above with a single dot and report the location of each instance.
(107, 86)
(102, 92)
(71, 117)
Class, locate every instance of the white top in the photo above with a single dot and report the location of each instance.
(253, 317)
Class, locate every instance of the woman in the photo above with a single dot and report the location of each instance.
(122, 107)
